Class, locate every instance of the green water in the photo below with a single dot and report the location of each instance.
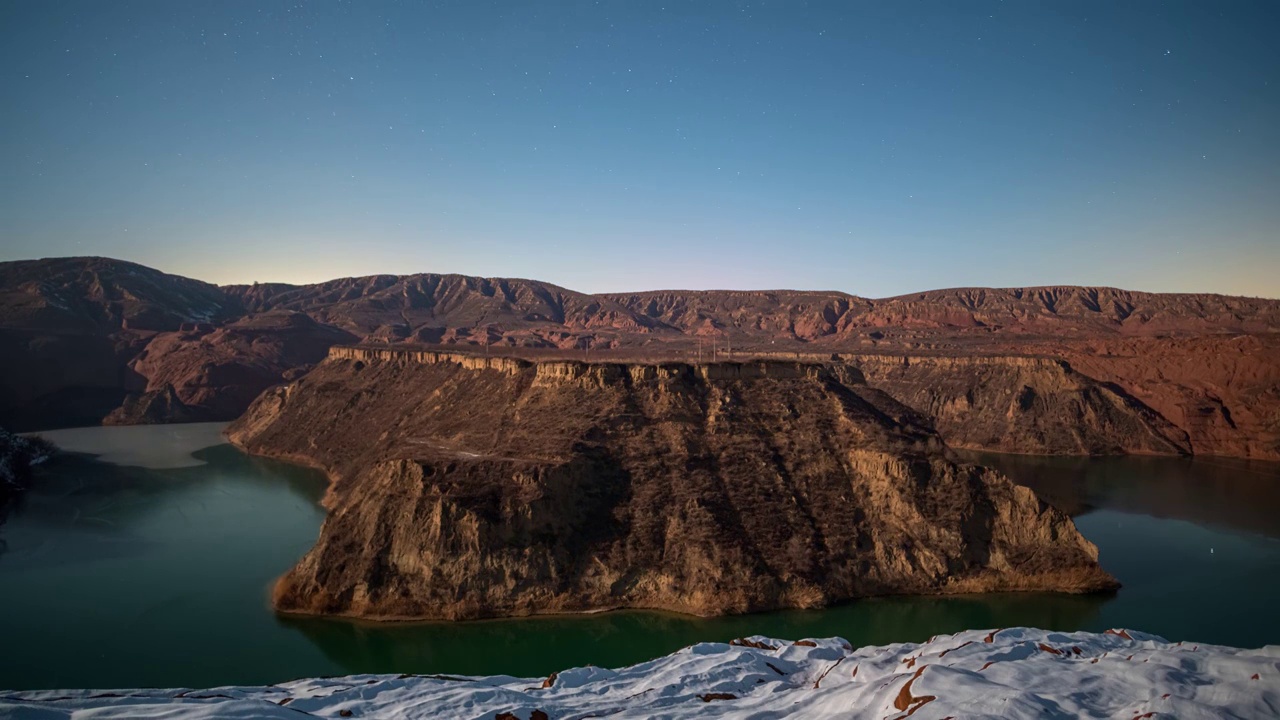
(116, 574)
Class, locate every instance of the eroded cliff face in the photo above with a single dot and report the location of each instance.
(1028, 405)
(1223, 390)
(468, 487)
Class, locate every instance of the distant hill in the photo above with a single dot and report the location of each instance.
(807, 316)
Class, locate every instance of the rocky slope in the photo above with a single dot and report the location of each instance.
(78, 295)
(979, 312)
(1031, 405)
(1069, 310)
(468, 487)
(788, 315)
(1222, 390)
(434, 308)
(1016, 673)
(203, 372)
(69, 326)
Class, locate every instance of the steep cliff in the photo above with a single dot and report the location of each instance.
(1029, 405)
(468, 487)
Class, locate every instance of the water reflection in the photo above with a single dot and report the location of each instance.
(537, 646)
(1218, 492)
(84, 503)
(157, 447)
(96, 506)
(126, 575)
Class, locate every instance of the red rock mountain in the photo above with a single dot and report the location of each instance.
(88, 339)
(70, 326)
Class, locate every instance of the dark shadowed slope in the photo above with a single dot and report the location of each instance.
(69, 326)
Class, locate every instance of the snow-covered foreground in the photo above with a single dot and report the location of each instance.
(1013, 673)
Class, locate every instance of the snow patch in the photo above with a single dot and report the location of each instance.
(1013, 673)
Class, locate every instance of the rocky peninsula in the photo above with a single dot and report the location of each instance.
(467, 487)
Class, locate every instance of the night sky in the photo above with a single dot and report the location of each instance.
(875, 148)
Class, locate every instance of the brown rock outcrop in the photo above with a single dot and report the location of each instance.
(787, 315)
(1030, 405)
(427, 306)
(1070, 310)
(1222, 390)
(465, 488)
(207, 373)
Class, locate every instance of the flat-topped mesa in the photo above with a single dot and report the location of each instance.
(468, 487)
(1008, 402)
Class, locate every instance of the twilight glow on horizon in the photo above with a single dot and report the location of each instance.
(873, 148)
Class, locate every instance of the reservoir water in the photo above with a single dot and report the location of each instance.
(144, 557)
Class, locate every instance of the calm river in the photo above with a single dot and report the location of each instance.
(145, 559)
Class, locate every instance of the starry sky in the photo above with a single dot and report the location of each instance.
(875, 148)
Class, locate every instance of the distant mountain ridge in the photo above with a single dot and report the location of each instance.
(83, 340)
(439, 302)
(91, 293)
(84, 292)
(812, 314)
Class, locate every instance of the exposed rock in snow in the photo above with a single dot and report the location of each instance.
(17, 456)
(1013, 673)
